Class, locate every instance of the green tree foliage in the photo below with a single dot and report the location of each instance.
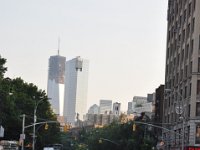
(119, 136)
(18, 97)
(2, 67)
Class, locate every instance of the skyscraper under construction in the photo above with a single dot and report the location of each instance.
(56, 80)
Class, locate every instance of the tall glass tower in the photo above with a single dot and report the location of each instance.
(56, 80)
(76, 86)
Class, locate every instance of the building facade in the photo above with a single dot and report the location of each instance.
(130, 108)
(116, 108)
(76, 85)
(56, 80)
(94, 109)
(159, 100)
(182, 75)
(105, 106)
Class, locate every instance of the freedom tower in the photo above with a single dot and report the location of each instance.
(56, 80)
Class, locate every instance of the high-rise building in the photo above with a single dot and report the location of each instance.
(139, 99)
(56, 79)
(94, 109)
(116, 108)
(137, 102)
(159, 100)
(130, 108)
(182, 75)
(105, 106)
(76, 85)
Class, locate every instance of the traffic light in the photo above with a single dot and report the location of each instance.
(134, 127)
(46, 126)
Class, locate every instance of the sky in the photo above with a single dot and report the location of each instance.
(124, 40)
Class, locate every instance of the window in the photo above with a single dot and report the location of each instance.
(178, 61)
(183, 36)
(182, 55)
(190, 90)
(189, 110)
(185, 95)
(186, 51)
(198, 109)
(199, 42)
(194, 4)
(193, 23)
(197, 141)
(188, 30)
(191, 67)
(189, 9)
(180, 20)
(188, 134)
(168, 53)
(198, 87)
(181, 76)
(191, 47)
(199, 64)
(184, 16)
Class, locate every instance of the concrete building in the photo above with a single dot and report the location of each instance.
(137, 102)
(116, 108)
(139, 99)
(150, 97)
(182, 75)
(94, 109)
(100, 119)
(105, 106)
(159, 94)
(55, 85)
(130, 108)
(145, 107)
(76, 85)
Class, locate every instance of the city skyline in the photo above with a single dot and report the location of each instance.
(125, 46)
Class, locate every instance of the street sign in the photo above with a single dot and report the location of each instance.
(22, 136)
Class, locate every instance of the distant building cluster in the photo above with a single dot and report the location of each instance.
(103, 114)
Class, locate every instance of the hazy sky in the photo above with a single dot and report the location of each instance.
(124, 41)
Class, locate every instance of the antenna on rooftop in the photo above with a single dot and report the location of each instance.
(58, 45)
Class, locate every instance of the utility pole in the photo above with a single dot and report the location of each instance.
(34, 121)
(23, 127)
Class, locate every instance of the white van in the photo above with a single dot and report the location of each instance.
(48, 148)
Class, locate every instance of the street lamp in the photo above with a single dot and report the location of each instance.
(34, 121)
(180, 111)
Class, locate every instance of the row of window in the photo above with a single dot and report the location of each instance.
(179, 8)
(177, 139)
(187, 50)
(174, 76)
(181, 35)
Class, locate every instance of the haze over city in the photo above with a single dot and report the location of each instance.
(125, 42)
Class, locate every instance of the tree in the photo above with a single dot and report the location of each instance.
(120, 136)
(18, 97)
(2, 67)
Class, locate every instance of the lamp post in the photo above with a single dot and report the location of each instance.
(34, 121)
(180, 111)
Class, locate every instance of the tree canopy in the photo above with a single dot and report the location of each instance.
(18, 97)
(116, 136)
